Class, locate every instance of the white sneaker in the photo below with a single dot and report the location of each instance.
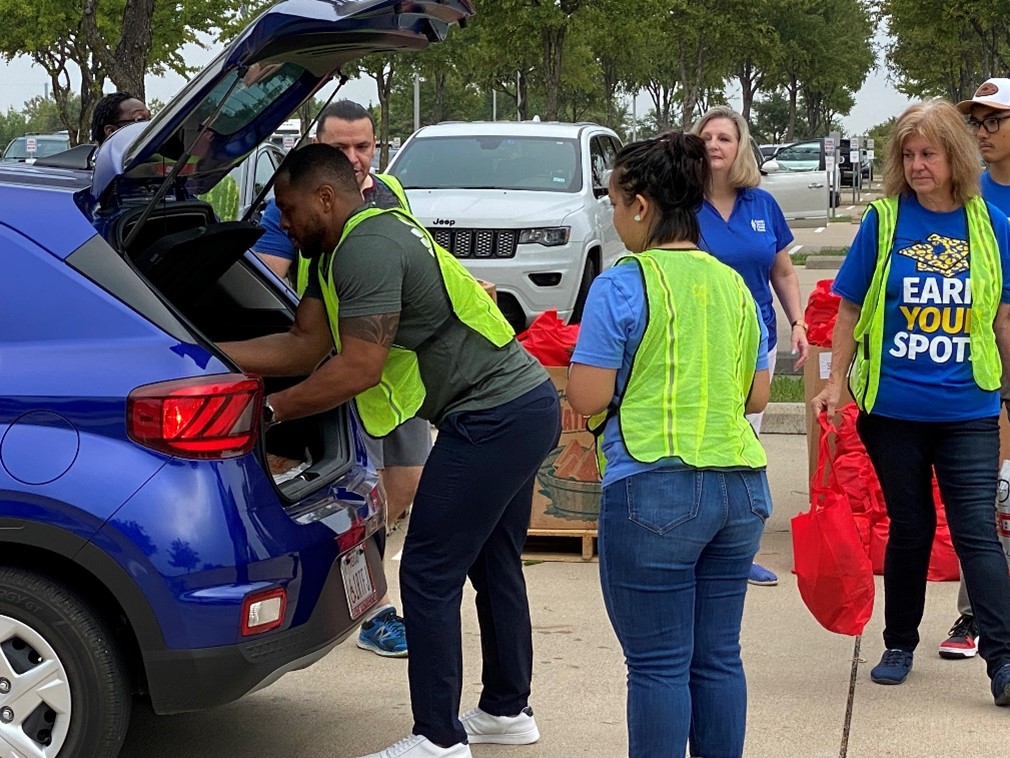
(416, 746)
(500, 730)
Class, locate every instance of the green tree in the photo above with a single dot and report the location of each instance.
(943, 48)
(95, 39)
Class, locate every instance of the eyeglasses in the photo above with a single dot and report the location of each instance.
(989, 123)
(125, 121)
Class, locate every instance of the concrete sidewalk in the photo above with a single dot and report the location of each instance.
(354, 702)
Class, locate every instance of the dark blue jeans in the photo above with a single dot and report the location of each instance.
(470, 518)
(676, 547)
(965, 456)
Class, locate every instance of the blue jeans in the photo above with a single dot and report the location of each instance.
(965, 457)
(676, 547)
(469, 519)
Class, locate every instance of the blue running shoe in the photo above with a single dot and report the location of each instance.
(761, 576)
(1001, 685)
(384, 635)
(893, 667)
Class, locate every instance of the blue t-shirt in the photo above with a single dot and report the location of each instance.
(997, 194)
(925, 369)
(275, 241)
(613, 323)
(748, 243)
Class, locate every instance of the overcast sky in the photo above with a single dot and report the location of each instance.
(20, 80)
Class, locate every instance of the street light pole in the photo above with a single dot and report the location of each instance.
(417, 101)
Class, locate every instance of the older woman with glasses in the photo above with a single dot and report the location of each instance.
(924, 321)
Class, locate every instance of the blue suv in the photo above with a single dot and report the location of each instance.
(155, 538)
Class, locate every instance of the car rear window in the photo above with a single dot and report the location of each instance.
(18, 148)
(546, 164)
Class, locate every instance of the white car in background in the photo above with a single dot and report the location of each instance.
(522, 204)
(802, 195)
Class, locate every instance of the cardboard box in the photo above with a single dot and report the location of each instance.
(815, 376)
(566, 492)
(489, 288)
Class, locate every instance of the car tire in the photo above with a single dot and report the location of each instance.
(588, 274)
(81, 696)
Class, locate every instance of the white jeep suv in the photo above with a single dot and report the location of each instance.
(522, 204)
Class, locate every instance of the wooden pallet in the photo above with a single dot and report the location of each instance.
(560, 544)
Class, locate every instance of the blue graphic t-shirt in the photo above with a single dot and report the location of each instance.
(925, 370)
(748, 243)
(613, 323)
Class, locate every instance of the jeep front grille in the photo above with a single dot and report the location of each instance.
(477, 243)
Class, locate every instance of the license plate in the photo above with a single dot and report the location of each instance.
(357, 582)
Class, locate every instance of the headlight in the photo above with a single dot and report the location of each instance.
(551, 236)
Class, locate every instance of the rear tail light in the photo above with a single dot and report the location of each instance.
(200, 417)
(263, 611)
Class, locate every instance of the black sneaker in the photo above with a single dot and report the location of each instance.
(963, 640)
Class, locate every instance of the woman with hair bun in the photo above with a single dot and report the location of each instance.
(672, 353)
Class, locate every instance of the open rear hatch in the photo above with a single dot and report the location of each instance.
(147, 174)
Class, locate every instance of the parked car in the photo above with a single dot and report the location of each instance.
(801, 156)
(253, 174)
(523, 205)
(156, 539)
(44, 144)
(845, 171)
(802, 195)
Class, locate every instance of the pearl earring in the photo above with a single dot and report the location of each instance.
(638, 217)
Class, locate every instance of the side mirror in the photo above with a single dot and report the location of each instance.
(601, 189)
(770, 166)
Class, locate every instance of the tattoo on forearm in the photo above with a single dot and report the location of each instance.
(379, 329)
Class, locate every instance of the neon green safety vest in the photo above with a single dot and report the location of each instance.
(400, 392)
(986, 288)
(305, 265)
(223, 198)
(692, 373)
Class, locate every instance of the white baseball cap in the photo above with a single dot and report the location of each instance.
(994, 93)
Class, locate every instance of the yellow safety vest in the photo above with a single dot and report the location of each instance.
(400, 392)
(692, 373)
(305, 264)
(986, 289)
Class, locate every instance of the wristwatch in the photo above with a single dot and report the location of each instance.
(801, 323)
(268, 414)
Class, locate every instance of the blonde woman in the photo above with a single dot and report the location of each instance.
(744, 227)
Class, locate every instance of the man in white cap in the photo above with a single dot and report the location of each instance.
(986, 111)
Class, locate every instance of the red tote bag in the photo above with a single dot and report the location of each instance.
(833, 570)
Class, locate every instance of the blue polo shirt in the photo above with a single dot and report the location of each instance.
(925, 369)
(613, 323)
(748, 243)
(275, 241)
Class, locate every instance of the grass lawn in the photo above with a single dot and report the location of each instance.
(801, 256)
(787, 389)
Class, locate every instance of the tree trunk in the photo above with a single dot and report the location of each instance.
(383, 76)
(523, 99)
(127, 64)
(750, 82)
(793, 89)
(553, 46)
(92, 78)
(438, 112)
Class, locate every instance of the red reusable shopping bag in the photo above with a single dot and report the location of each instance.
(550, 340)
(821, 312)
(833, 570)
